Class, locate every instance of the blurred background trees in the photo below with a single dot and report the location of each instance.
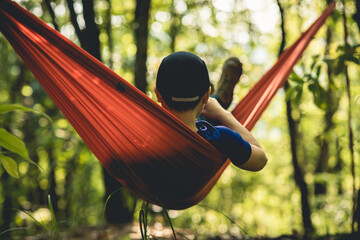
(310, 131)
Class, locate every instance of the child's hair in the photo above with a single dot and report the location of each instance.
(182, 80)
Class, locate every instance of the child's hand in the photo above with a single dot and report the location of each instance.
(213, 110)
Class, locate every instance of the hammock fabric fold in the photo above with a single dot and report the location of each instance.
(139, 143)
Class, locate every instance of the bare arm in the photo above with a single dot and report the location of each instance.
(258, 159)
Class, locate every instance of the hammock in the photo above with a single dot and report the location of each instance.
(139, 143)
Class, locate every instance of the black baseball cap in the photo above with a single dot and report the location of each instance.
(182, 77)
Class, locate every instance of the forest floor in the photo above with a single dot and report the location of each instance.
(132, 231)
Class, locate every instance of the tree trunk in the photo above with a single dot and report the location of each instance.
(52, 14)
(109, 33)
(91, 30)
(73, 19)
(332, 106)
(357, 212)
(351, 135)
(298, 172)
(52, 181)
(356, 15)
(293, 131)
(116, 209)
(6, 214)
(174, 29)
(141, 31)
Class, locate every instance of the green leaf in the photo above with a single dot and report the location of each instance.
(53, 218)
(354, 60)
(298, 94)
(345, 48)
(320, 97)
(4, 108)
(312, 87)
(308, 76)
(318, 71)
(296, 78)
(289, 93)
(13, 144)
(314, 62)
(329, 60)
(10, 166)
(340, 66)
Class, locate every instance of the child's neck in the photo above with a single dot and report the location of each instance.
(188, 117)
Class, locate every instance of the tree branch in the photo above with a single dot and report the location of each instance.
(73, 19)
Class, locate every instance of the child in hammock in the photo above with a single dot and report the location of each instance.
(183, 88)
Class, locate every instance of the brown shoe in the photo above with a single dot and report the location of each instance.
(230, 76)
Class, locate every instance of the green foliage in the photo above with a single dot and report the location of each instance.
(14, 144)
(167, 217)
(347, 53)
(42, 224)
(5, 108)
(10, 166)
(143, 220)
(312, 80)
(55, 226)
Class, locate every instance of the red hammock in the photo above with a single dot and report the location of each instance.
(139, 143)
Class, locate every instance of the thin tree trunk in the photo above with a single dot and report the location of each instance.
(52, 181)
(109, 33)
(116, 209)
(351, 135)
(51, 146)
(141, 32)
(357, 212)
(293, 130)
(332, 106)
(356, 15)
(74, 22)
(91, 31)
(52, 14)
(174, 29)
(6, 213)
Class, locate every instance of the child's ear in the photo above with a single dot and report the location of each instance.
(207, 95)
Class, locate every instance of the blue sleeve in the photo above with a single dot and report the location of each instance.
(233, 146)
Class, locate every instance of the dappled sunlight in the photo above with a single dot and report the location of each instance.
(242, 204)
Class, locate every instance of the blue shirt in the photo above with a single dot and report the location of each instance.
(227, 141)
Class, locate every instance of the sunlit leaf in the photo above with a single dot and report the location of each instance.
(312, 87)
(12, 143)
(315, 58)
(4, 108)
(329, 61)
(308, 76)
(289, 93)
(318, 71)
(298, 93)
(53, 218)
(340, 66)
(319, 93)
(296, 78)
(354, 60)
(344, 48)
(10, 166)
